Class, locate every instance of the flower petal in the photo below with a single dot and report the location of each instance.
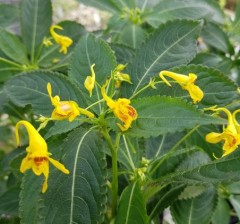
(59, 165)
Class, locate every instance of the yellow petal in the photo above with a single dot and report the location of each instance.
(110, 102)
(195, 92)
(45, 170)
(214, 137)
(36, 141)
(27, 163)
(90, 81)
(58, 165)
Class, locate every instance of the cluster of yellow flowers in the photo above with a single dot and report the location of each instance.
(38, 157)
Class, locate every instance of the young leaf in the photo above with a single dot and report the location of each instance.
(36, 18)
(194, 210)
(31, 88)
(83, 190)
(131, 35)
(175, 40)
(184, 9)
(12, 47)
(159, 115)
(132, 206)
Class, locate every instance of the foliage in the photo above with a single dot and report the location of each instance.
(129, 143)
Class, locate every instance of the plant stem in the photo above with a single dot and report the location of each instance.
(114, 150)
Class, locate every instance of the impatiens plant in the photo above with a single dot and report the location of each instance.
(141, 119)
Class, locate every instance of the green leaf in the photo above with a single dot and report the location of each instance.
(131, 35)
(131, 206)
(12, 47)
(30, 198)
(167, 196)
(60, 127)
(9, 202)
(36, 18)
(222, 212)
(83, 190)
(107, 5)
(31, 88)
(224, 170)
(184, 9)
(218, 88)
(214, 36)
(175, 40)
(194, 210)
(9, 16)
(160, 115)
(89, 51)
(219, 62)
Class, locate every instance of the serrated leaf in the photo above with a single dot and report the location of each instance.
(218, 88)
(194, 210)
(30, 198)
(36, 18)
(159, 115)
(83, 190)
(184, 9)
(30, 88)
(107, 5)
(175, 40)
(12, 47)
(219, 62)
(89, 51)
(214, 36)
(224, 170)
(191, 191)
(131, 206)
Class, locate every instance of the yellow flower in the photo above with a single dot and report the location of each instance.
(66, 109)
(38, 157)
(63, 41)
(121, 109)
(230, 134)
(119, 76)
(186, 82)
(90, 81)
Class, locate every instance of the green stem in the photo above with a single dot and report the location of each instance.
(97, 102)
(114, 150)
(173, 149)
